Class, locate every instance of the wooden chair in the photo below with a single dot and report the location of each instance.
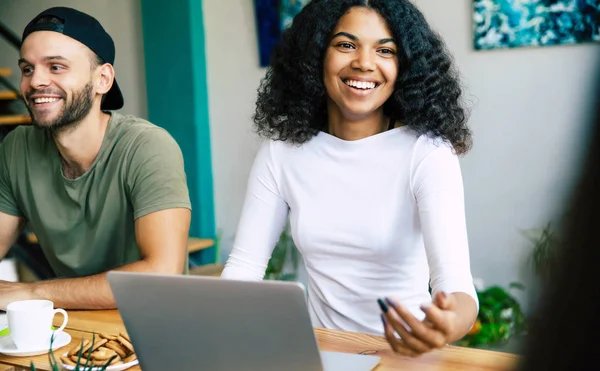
(212, 270)
(197, 244)
(27, 252)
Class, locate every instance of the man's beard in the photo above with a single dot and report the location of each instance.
(71, 114)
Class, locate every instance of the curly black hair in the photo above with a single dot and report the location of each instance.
(291, 103)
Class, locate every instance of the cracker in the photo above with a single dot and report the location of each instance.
(116, 361)
(98, 344)
(75, 350)
(107, 336)
(131, 358)
(82, 361)
(67, 361)
(116, 347)
(103, 354)
(125, 343)
(86, 347)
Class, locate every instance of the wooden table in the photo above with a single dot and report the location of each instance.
(84, 323)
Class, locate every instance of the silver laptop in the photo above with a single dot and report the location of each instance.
(207, 323)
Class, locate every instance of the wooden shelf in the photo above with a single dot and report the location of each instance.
(7, 95)
(15, 120)
(5, 71)
(211, 270)
(197, 244)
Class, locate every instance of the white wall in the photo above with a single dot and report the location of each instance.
(530, 108)
(121, 19)
(233, 78)
(531, 111)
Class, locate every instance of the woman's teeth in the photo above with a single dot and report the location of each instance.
(360, 84)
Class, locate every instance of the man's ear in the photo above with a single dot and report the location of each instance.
(106, 77)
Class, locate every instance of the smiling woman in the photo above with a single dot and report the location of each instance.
(360, 71)
(425, 95)
(361, 108)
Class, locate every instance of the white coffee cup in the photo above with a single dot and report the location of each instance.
(30, 323)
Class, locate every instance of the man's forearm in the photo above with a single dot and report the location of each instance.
(91, 292)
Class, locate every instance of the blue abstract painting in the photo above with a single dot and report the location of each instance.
(272, 17)
(519, 23)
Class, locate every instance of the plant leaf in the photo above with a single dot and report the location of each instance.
(51, 358)
(87, 361)
(284, 252)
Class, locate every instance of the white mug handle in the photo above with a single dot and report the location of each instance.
(66, 319)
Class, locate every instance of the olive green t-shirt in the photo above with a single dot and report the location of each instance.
(86, 226)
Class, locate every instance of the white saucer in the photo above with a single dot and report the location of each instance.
(10, 349)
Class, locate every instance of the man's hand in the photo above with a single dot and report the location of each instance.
(441, 326)
(14, 291)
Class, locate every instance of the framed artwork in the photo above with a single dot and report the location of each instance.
(272, 17)
(520, 23)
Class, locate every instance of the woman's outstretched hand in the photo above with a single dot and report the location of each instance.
(411, 337)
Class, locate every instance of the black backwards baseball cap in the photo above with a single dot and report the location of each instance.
(88, 31)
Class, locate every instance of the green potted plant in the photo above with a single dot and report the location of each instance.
(499, 319)
(500, 316)
(543, 243)
(283, 265)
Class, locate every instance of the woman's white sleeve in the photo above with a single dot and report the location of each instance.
(262, 220)
(438, 187)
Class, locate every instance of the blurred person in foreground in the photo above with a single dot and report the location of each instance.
(567, 321)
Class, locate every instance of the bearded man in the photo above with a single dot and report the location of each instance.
(101, 190)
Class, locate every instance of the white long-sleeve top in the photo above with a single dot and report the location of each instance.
(376, 217)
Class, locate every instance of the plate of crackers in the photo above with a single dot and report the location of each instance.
(105, 347)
